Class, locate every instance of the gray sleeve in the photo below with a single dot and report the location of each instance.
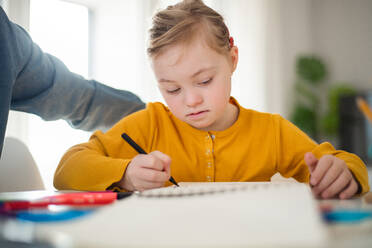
(45, 87)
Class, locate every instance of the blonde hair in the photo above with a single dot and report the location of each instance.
(182, 22)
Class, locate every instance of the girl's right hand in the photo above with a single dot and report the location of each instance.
(146, 171)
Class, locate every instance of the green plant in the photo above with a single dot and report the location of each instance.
(330, 122)
(311, 73)
(311, 69)
(303, 118)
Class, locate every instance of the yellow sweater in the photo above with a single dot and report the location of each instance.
(254, 148)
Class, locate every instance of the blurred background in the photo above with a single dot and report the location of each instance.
(307, 60)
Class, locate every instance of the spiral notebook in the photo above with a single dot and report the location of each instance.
(203, 215)
(205, 188)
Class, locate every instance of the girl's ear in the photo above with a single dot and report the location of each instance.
(234, 56)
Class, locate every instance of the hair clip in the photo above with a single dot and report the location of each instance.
(231, 41)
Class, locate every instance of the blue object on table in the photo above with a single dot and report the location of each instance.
(51, 216)
(347, 215)
(47, 216)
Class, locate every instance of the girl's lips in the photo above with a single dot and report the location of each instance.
(197, 115)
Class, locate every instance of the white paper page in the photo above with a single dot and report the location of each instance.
(255, 215)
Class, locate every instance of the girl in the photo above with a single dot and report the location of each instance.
(203, 133)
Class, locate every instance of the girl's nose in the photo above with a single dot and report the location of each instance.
(193, 99)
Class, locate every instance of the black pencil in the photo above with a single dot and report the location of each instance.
(141, 151)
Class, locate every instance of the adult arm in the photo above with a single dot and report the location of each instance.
(35, 82)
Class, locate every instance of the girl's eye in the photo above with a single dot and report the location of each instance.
(206, 82)
(173, 91)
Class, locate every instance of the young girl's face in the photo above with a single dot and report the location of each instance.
(195, 82)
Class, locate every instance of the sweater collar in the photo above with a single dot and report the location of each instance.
(232, 129)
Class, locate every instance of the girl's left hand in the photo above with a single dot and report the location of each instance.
(330, 177)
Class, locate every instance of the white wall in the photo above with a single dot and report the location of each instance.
(342, 34)
(246, 21)
(18, 11)
(118, 47)
(290, 35)
(339, 31)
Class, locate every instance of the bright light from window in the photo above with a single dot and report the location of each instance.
(61, 29)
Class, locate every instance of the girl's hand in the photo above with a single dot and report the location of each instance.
(146, 171)
(330, 177)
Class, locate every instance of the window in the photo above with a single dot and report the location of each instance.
(61, 29)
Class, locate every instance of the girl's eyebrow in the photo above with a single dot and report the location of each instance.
(202, 70)
(162, 80)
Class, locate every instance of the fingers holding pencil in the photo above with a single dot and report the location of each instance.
(146, 172)
(135, 146)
